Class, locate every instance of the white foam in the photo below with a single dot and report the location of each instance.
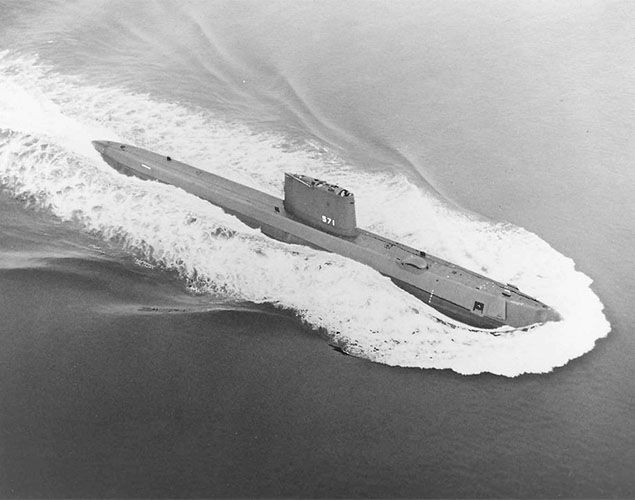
(47, 121)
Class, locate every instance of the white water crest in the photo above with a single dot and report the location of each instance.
(47, 123)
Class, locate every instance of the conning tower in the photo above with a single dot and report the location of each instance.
(319, 204)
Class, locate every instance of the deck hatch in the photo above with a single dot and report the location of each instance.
(414, 264)
(478, 307)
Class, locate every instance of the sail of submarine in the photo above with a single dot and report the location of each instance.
(322, 216)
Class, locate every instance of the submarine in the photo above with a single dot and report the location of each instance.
(322, 216)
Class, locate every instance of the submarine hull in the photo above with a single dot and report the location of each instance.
(456, 292)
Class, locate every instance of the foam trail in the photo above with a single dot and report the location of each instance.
(47, 157)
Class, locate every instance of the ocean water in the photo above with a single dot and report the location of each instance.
(152, 345)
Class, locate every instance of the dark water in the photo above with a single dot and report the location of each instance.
(151, 345)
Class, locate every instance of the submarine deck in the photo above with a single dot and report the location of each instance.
(405, 264)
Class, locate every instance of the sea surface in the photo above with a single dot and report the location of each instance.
(153, 346)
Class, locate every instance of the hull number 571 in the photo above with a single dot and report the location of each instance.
(328, 220)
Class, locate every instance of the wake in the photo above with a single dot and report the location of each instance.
(47, 121)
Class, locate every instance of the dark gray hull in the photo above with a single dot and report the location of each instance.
(456, 292)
